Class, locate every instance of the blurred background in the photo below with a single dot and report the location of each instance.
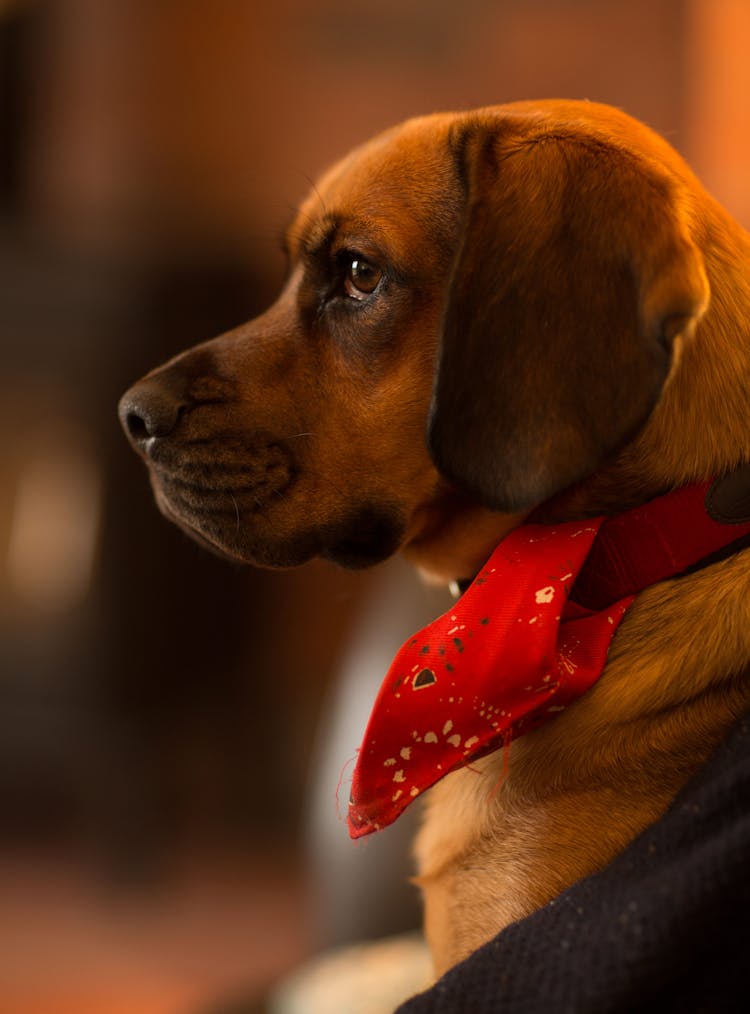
(171, 726)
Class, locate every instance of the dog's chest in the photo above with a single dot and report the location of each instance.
(494, 847)
(471, 866)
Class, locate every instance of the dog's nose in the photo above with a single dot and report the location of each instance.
(150, 409)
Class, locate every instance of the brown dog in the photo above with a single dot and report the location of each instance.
(529, 307)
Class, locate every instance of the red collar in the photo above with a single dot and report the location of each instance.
(528, 637)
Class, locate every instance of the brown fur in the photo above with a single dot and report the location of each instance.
(581, 308)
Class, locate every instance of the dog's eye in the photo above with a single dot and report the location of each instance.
(362, 277)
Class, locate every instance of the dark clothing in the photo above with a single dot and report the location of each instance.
(664, 928)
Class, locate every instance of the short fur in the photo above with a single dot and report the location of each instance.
(562, 326)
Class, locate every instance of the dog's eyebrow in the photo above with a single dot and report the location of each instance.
(311, 239)
(320, 236)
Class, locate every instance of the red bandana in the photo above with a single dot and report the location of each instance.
(529, 636)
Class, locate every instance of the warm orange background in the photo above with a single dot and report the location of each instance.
(158, 708)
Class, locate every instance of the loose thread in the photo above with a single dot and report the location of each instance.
(507, 740)
(352, 760)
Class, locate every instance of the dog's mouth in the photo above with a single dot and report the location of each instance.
(222, 489)
(246, 503)
(214, 489)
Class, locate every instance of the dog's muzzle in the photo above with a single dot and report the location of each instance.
(209, 481)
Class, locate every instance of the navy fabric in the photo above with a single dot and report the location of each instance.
(664, 928)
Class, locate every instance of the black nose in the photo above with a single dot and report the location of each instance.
(150, 409)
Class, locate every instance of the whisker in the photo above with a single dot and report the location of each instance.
(315, 190)
(236, 510)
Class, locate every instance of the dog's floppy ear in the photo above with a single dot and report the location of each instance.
(575, 276)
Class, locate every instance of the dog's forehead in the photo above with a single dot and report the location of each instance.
(399, 175)
(407, 155)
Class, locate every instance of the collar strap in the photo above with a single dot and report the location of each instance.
(673, 534)
(528, 637)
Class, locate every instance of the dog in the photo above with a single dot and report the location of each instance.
(530, 310)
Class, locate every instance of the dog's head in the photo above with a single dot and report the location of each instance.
(481, 309)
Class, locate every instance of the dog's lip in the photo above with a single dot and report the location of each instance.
(216, 548)
(214, 474)
(217, 503)
(198, 501)
(194, 523)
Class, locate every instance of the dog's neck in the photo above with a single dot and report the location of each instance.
(529, 637)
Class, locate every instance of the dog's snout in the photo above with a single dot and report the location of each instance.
(150, 409)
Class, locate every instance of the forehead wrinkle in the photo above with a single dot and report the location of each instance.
(398, 211)
(318, 234)
(390, 203)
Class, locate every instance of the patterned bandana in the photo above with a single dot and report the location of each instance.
(528, 637)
